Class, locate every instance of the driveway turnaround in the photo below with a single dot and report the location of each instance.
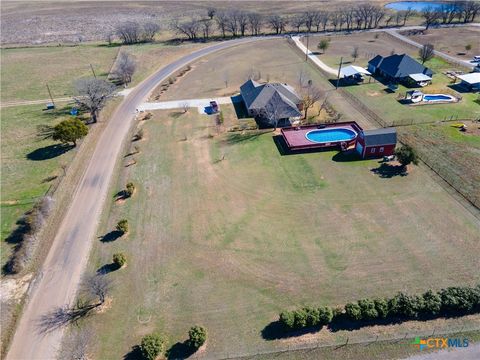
(59, 278)
(201, 104)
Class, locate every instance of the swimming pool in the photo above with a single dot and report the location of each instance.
(438, 97)
(415, 5)
(330, 135)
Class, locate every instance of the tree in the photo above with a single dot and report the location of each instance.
(353, 311)
(277, 23)
(206, 26)
(355, 53)
(129, 189)
(287, 319)
(221, 19)
(406, 14)
(211, 12)
(197, 335)
(92, 94)
(406, 154)
(150, 29)
(129, 32)
(190, 27)
(323, 45)
(69, 131)
(432, 303)
(98, 287)
(310, 95)
(325, 315)
(381, 306)
(124, 68)
(430, 15)
(152, 346)
(75, 344)
(122, 226)
(119, 259)
(367, 308)
(297, 21)
(426, 52)
(273, 110)
(254, 22)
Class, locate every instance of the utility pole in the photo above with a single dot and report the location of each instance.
(339, 69)
(50, 93)
(91, 67)
(306, 53)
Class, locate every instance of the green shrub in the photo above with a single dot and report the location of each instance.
(119, 259)
(69, 130)
(197, 336)
(353, 311)
(287, 319)
(122, 226)
(300, 319)
(406, 154)
(130, 188)
(468, 47)
(152, 346)
(381, 305)
(313, 316)
(367, 308)
(325, 315)
(432, 303)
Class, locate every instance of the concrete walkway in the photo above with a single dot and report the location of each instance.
(201, 104)
(314, 57)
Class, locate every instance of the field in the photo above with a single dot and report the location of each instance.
(454, 154)
(369, 45)
(229, 243)
(452, 41)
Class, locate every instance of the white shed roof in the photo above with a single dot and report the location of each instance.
(353, 70)
(472, 78)
(420, 77)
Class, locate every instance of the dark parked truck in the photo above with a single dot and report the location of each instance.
(214, 106)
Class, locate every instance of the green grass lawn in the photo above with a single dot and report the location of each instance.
(228, 244)
(27, 162)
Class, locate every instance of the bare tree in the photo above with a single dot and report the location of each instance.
(184, 105)
(242, 18)
(206, 26)
(430, 15)
(355, 53)
(310, 95)
(406, 14)
(254, 23)
(297, 22)
(75, 344)
(129, 32)
(97, 287)
(468, 10)
(389, 19)
(150, 29)
(222, 20)
(309, 19)
(124, 68)
(190, 27)
(92, 94)
(426, 52)
(277, 23)
(109, 38)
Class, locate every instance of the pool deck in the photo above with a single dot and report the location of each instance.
(295, 136)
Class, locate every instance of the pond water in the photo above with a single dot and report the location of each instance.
(414, 5)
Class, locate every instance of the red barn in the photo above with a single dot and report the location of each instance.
(376, 143)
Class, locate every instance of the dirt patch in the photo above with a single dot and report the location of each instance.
(105, 306)
(13, 289)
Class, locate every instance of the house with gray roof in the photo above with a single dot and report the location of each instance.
(271, 102)
(400, 68)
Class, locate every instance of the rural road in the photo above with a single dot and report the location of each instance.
(59, 278)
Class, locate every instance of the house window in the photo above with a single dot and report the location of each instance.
(372, 150)
(381, 149)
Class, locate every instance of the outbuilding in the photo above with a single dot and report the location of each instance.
(376, 143)
(470, 81)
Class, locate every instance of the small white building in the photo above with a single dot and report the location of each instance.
(470, 81)
(354, 73)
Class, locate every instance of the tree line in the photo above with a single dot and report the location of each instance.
(452, 301)
(236, 22)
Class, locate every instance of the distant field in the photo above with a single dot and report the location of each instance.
(228, 244)
(456, 155)
(452, 41)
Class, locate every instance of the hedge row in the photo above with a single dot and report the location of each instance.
(449, 301)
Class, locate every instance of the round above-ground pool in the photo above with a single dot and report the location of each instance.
(438, 97)
(331, 135)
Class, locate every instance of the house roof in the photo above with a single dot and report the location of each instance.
(399, 66)
(420, 77)
(385, 136)
(261, 97)
(472, 78)
(353, 70)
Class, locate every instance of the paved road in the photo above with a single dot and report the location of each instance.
(57, 283)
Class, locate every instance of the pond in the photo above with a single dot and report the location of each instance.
(415, 5)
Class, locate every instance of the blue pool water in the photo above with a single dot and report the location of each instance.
(438, 97)
(414, 5)
(330, 135)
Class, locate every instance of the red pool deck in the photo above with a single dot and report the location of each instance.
(295, 136)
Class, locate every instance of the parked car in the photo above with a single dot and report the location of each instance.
(214, 106)
(476, 58)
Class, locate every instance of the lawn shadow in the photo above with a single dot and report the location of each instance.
(111, 236)
(459, 88)
(276, 331)
(107, 268)
(134, 354)
(180, 351)
(387, 171)
(346, 156)
(239, 137)
(176, 114)
(49, 152)
(240, 108)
